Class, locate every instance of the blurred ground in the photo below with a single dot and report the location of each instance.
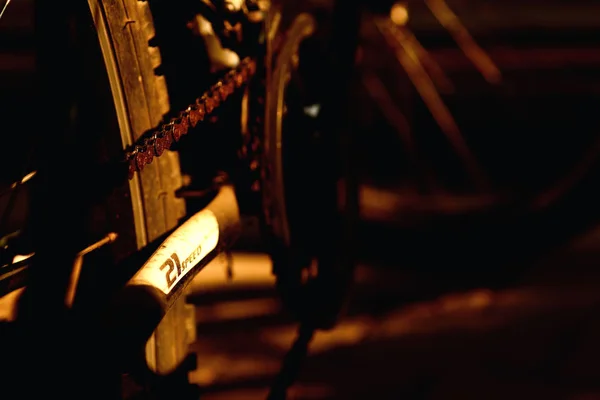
(537, 338)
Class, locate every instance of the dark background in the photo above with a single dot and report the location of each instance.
(461, 293)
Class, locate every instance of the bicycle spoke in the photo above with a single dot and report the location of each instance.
(4, 8)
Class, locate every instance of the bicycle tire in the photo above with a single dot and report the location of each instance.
(125, 28)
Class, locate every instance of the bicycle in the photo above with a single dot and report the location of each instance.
(116, 274)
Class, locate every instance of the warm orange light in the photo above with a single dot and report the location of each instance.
(399, 13)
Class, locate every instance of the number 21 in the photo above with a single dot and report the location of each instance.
(171, 275)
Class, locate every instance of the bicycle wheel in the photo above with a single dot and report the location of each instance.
(115, 99)
(125, 28)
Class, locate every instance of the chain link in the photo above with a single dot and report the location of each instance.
(163, 137)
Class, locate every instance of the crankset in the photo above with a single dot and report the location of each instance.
(303, 202)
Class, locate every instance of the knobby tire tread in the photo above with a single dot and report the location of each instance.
(131, 29)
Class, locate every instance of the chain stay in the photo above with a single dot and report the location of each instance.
(163, 137)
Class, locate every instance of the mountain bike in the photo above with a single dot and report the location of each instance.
(107, 238)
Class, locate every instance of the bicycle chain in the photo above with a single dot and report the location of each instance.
(164, 136)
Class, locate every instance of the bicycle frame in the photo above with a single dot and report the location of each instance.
(177, 259)
(161, 269)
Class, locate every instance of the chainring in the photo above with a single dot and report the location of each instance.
(299, 183)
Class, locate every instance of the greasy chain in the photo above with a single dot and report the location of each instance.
(165, 135)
